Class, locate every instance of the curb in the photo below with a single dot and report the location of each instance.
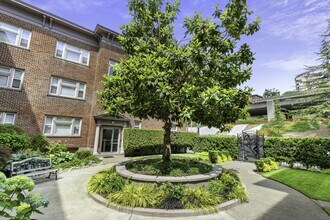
(162, 212)
(122, 171)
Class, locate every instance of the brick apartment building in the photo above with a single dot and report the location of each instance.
(50, 70)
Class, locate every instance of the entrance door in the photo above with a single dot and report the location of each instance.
(110, 140)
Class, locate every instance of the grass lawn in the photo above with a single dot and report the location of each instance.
(327, 210)
(312, 184)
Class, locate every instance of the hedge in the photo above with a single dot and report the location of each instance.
(15, 141)
(209, 143)
(308, 151)
(139, 142)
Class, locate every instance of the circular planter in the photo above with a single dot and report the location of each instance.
(193, 179)
(162, 212)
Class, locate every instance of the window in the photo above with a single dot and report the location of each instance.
(110, 69)
(137, 124)
(67, 88)
(11, 78)
(14, 35)
(174, 127)
(72, 53)
(62, 126)
(7, 118)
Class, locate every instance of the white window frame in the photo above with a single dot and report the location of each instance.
(3, 116)
(19, 36)
(60, 84)
(55, 121)
(65, 49)
(110, 66)
(11, 77)
(140, 124)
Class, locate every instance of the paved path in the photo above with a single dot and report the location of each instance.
(268, 200)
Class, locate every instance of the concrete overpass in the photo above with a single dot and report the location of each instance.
(266, 106)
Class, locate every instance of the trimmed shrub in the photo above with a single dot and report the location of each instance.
(266, 164)
(39, 142)
(213, 156)
(308, 151)
(10, 129)
(208, 143)
(138, 142)
(83, 153)
(15, 141)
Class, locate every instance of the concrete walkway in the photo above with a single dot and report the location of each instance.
(268, 199)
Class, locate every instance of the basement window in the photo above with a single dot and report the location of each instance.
(7, 118)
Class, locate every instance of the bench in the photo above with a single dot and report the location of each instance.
(31, 167)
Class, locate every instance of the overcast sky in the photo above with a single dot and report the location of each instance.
(287, 41)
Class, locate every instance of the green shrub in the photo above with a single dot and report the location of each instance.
(208, 143)
(15, 141)
(76, 162)
(15, 202)
(308, 151)
(39, 142)
(199, 198)
(239, 192)
(139, 142)
(266, 164)
(105, 184)
(144, 196)
(213, 156)
(10, 129)
(61, 157)
(5, 153)
(57, 147)
(83, 153)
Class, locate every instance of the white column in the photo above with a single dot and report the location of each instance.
(270, 109)
(96, 141)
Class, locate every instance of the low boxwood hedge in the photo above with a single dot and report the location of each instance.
(139, 142)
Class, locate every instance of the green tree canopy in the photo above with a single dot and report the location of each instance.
(194, 79)
(271, 93)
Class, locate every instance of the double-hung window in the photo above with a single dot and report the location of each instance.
(111, 69)
(14, 35)
(62, 126)
(11, 78)
(67, 88)
(7, 118)
(75, 54)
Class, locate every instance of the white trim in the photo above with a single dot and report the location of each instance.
(4, 115)
(18, 33)
(60, 84)
(64, 53)
(55, 122)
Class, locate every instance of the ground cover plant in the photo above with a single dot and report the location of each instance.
(266, 164)
(167, 195)
(176, 167)
(315, 185)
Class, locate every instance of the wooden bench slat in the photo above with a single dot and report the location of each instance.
(40, 172)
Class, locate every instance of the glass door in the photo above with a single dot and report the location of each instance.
(110, 140)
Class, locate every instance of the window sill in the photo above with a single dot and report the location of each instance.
(15, 46)
(12, 89)
(64, 97)
(55, 136)
(73, 62)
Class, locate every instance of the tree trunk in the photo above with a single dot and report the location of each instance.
(167, 142)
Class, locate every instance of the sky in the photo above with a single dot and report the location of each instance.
(287, 42)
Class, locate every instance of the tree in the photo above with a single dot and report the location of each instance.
(271, 93)
(195, 79)
(321, 72)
